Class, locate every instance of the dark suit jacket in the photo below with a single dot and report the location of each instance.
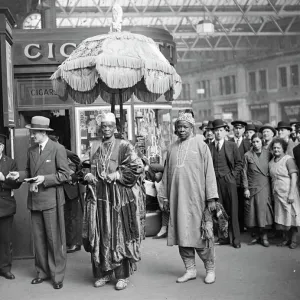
(296, 151)
(7, 202)
(71, 188)
(233, 157)
(53, 165)
(244, 146)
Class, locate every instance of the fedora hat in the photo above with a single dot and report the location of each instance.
(39, 123)
(251, 127)
(267, 126)
(296, 123)
(283, 125)
(238, 122)
(218, 123)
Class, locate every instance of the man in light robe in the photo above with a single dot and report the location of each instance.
(112, 229)
(188, 188)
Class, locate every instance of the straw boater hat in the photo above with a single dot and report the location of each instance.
(267, 126)
(283, 125)
(39, 123)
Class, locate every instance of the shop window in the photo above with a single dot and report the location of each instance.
(227, 85)
(252, 81)
(282, 77)
(208, 88)
(221, 86)
(262, 80)
(294, 75)
(233, 84)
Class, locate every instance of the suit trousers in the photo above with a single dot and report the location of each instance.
(121, 272)
(207, 255)
(6, 243)
(228, 197)
(48, 228)
(241, 212)
(73, 221)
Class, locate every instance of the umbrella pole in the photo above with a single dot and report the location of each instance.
(112, 104)
(121, 112)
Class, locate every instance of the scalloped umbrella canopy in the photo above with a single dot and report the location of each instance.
(118, 63)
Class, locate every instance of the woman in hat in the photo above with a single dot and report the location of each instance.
(257, 191)
(284, 175)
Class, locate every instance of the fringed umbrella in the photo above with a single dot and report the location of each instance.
(115, 66)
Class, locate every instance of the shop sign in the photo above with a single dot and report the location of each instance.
(292, 110)
(229, 108)
(37, 92)
(259, 106)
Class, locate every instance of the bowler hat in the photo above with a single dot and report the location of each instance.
(238, 122)
(283, 125)
(209, 125)
(218, 123)
(251, 127)
(2, 139)
(39, 123)
(267, 126)
(204, 125)
(296, 123)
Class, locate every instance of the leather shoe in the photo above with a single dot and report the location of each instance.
(162, 236)
(57, 285)
(265, 242)
(73, 248)
(7, 275)
(37, 280)
(237, 246)
(224, 242)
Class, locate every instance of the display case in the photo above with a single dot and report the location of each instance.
(147, 125)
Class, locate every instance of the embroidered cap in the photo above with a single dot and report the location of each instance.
(186, 116)
(108, 117)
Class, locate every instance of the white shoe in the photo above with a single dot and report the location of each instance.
(210, 277)
(188, 275)
(102, 281)
(122, 284)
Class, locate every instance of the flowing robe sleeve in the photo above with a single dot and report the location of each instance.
(211, 189)
(163, 188)
(130, 165)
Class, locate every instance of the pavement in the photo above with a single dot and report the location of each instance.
(249, 273)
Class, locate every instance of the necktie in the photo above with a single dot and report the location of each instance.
(41, 149)
(238, 142)
(218, 146)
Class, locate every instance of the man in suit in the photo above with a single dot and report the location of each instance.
(7, 211)
(284, 131)
(228, 165)
(209, 134)
(73, 206)
(244, 146)
(47, 169)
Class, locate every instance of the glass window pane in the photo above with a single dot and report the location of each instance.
(282, 77)
(227, 85)
(294, 75)
(221, 86)
(263, 79)
(252, 81)
(233, 84)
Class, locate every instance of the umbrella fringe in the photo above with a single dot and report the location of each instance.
(80, 83)
(118, 61)
(158, 85)
(78, 63)
(117, 79)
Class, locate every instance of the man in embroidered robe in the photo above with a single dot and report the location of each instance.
(188, 187)
(114, 207)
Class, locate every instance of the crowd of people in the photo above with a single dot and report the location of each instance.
(211, 187)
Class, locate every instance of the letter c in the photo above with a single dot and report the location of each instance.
(27, 51)
(63, 49)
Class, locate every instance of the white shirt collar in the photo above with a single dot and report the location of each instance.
(43, 144)
(221, 142)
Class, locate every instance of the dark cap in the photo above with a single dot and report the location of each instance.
(2, 139)
(267, 126)
(238, 122)
(203, 125)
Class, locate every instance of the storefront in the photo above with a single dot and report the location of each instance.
(260, 112)
(230, 112)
